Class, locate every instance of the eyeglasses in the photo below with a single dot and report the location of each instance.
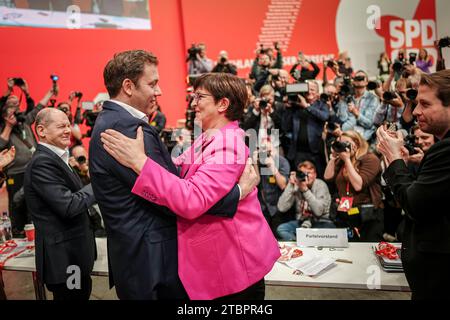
(197, 96)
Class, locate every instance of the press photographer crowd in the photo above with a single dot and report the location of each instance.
(367, 153)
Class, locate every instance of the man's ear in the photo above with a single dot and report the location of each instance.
(223, 105)
(127, 86)
(40, 130)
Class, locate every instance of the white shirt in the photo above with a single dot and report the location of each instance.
(133, 111)
(62, 153)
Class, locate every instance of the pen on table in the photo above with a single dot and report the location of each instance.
(344, 260)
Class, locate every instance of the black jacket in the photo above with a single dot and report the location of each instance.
(426, 244)
(59, 204)
(142, 236)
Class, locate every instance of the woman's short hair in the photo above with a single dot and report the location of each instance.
(126, 65)
(225, 85)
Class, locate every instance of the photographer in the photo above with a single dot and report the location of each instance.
(264, 72)
(15, 130)
(223, 65)
(79, 161)
(264, 116)
(424, 61)
(75, 136)
(392, 106)
(303, 121)
(198, 62)
(384, 65)
(6, 157)
(156, 118)
(9, 97)
(426, 237)
(279, 83)
(305, 72)
(312, 202)
(356, 111)
(356, 174)
(273, 180)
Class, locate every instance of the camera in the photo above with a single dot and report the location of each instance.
(330, 63)
(78, 94)
(263, 103)
(410, 144)
(372, 85)
(81, 159)
(301, 176)
(293, 90)
(412, 57)
(339, 146)
(18, 82)
(222, 60)
(444, 42)
(397, 66)
(346, 88)
(389, 95)
(331, 126)
(411, 94)
(20, 116)
(166, 137)
(359, 78)
(54, 77)
(193, 51)
(324, 97)
(263, 154)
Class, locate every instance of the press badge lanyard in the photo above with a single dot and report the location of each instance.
(346, 202)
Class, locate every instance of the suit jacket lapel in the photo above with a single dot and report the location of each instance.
(75, 179)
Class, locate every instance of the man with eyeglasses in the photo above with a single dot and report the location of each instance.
(357, 113)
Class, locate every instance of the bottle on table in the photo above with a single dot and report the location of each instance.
(7, 225)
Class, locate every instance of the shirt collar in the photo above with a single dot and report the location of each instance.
(62, 153)
(133, 111)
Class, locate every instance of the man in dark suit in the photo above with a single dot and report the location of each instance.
(58, 202)
(142, 237)
(426, 237)
(303, 121)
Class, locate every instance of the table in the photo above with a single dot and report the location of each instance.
(27, 264)
(363, 273)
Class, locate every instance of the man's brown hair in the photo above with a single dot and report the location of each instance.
(441, 82)
(126, 65)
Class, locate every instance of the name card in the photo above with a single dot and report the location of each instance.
(307, 237)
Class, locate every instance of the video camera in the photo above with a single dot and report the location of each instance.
(293, 90)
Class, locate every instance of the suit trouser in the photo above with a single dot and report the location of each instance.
(17, 211)
(256, 291)
(62, 292)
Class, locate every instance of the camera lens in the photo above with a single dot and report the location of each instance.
(263, 104)
(411, 94)
(81, 159)
(388, 95)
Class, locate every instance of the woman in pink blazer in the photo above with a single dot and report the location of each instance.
(217, 256)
